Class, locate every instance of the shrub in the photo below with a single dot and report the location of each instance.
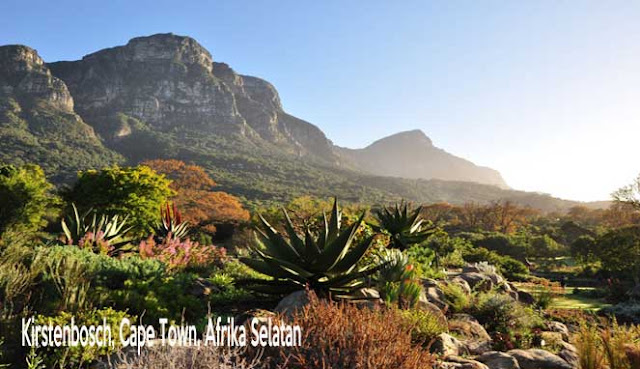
(202, 207)
(77, 356)
(543, 297)
(509, 267)
(171, 223)
(455, 297)
(341, 335)
(426, 325)
(512, 269)
(614, 347)
(182, 254)
(25, 198)
(625, 312)
(545, 246)
(500, 313)
(207, 357)
(503, 245)
(136, 192)
(424, 259)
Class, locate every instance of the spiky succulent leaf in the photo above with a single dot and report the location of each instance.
(327, 262)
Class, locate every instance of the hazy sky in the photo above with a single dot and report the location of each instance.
(546, 92)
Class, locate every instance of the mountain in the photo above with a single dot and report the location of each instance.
(170, 84)
(37, 119)
(411, 154)
(164, 96)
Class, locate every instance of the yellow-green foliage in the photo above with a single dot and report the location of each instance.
(137, 192)
(24, 198)
(426, 325)
(455, 297)
(614, 347)
(74, 357)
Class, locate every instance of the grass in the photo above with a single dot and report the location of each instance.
(571, 301)
(563, 298)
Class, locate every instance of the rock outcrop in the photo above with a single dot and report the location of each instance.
(38, 123)
(167, 82)
(539, 359)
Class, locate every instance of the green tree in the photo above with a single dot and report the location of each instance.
(584, 249)
(137, 192)
(25, 198)
(629, 194)
(619, 251)
(545, 246)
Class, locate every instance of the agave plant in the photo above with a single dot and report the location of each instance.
(325, 262)
(171, 224)
(103, 234)
(404, 226)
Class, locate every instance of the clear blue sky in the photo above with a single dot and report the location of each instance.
(544, 91)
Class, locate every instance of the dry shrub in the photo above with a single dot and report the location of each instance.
(612, 347)
(614, 341)
(205, 357)
(590, 355)
(633, 354)
(343, 335)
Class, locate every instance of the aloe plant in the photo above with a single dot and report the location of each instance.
(171, 223)
(326, 262)
(405, 226)
(104, 234)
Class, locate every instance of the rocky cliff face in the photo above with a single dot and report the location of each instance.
(411, 154)
(37, 119)
(25, 78)
(168, 83)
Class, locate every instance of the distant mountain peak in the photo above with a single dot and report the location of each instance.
(412, 137)
(411, 154)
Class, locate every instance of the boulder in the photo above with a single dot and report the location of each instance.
(470, 268)
(478, 347)
(472, 333)
(554, 326)
(526, 298)
(569, 353)
(424, 304)
(539, 359)
(495, 278)
(477, 281)
(464, 363)
(434, 295)
(465, 325)
(447, 345)
(462, 283)
(292, 302)
(498, 360)
(367, 298)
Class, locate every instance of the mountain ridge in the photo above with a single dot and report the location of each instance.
(412, 154)
(165, 96)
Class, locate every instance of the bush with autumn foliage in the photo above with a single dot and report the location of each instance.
(342, 335)
(201, 206)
